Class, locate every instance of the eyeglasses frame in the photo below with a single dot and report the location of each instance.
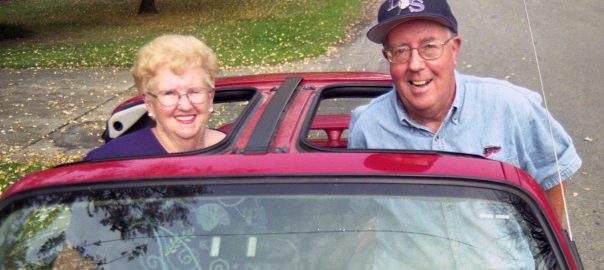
(386, 50)
(209, 93)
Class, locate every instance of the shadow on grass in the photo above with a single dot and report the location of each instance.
(11, 31)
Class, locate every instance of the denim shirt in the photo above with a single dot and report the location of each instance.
(489, 117)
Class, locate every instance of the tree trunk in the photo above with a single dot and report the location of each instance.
(147, 7)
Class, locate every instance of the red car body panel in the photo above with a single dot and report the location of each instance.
(286, 157)
(265, 164)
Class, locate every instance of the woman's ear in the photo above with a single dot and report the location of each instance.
(149, 106)
(212, 92)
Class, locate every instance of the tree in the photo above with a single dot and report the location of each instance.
(147, 7)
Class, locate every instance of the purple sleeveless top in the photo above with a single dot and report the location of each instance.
(139, 143)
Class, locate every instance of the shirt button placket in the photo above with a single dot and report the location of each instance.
(436, 142)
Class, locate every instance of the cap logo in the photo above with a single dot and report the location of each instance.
(413, 5)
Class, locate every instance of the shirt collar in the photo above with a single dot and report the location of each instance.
(399, 108)
(460, 94)
(453, 115)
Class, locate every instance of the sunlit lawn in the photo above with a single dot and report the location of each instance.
(83, 33)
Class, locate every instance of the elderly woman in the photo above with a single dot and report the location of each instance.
(176, 75)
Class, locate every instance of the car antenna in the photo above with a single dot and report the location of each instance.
(549, 122)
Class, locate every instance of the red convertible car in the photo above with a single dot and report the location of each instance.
(281, 191)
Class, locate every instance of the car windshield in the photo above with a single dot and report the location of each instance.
(276, 226)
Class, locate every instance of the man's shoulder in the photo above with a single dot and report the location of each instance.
(364, 118)
(378, 104)
(501, 91)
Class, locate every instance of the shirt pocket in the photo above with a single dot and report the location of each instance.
(496, 151)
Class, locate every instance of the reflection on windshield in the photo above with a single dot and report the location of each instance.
(336, 227)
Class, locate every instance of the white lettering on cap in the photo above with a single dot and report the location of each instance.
(417, 6)
(401, 4)
(413, 5)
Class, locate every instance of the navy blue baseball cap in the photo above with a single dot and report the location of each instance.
(395, 12)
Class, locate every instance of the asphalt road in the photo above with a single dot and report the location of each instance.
(568, 39)
(44, 112)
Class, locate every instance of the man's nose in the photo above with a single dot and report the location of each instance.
(416, 62)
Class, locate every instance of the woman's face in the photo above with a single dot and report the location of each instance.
(182, 123)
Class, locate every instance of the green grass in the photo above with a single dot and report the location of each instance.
(100, 33)
(12, 171)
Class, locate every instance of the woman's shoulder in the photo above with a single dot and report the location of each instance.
(214, 136)
(138, 143)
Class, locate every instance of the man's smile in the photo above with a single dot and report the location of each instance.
(420, 83)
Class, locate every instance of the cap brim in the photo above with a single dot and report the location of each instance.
(379, 32)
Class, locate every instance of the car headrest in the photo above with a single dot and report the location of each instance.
(123, 120)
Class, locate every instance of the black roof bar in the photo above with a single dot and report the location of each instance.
(265, 129)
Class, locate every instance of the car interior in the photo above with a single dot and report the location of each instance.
(327, 125)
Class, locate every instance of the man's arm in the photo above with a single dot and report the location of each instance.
(555, 196)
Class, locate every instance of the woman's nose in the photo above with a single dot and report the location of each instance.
(184, 103)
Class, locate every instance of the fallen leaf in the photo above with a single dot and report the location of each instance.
(588, 139)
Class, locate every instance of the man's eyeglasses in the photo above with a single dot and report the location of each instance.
(428, 51)
(172, 97)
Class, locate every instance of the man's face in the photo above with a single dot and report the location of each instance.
(426, 87)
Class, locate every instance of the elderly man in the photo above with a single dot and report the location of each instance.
(433, 107)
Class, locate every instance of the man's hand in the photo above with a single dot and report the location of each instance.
(555, 196)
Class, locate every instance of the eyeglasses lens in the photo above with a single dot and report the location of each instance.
(171, 99)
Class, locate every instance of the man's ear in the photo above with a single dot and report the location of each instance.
(456, 47)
